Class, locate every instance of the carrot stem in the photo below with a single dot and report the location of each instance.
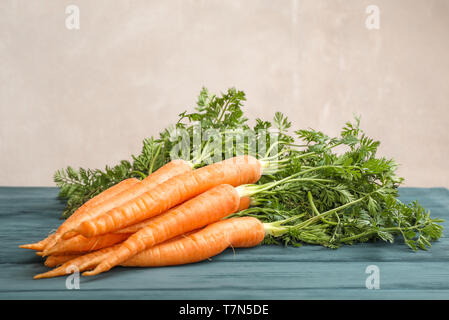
(278, 228)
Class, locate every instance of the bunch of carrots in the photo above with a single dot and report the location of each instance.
(174, 216)
(182, 214)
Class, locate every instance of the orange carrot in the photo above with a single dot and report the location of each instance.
(83, 244)
(54, 261)
(97, 200)
(235, 171)
(171, 169)
(203, 244)
(39, 246)
(75, 218)
(195, 213)
(83, 262)
(138, 226)
(244, 204)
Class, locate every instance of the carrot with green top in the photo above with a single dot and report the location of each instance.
(203, 244)
(232, 232)
(208, 207)
(235, 171)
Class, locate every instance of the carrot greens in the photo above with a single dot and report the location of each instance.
(351, 197)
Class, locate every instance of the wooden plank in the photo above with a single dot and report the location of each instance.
(245, 280)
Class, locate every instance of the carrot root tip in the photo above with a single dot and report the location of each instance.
(31, 246)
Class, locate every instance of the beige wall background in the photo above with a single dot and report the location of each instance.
(88, 97)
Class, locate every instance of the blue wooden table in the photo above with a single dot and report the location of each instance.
(265, 272)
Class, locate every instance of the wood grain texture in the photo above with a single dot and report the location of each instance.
(265, 272)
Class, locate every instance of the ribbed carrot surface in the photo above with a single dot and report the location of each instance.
(201, 245)
(54, 261)
(244, 204)
(83, 244)
(138, 226)
(195, 213)
(235, 171)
